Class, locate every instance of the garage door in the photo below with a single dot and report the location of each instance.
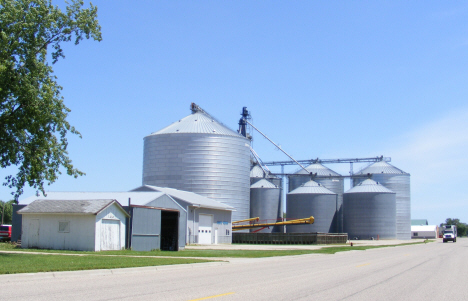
(205, 227)
(110, 234)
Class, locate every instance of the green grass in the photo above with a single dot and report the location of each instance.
(183, 253)
(30, 263)
(213, 253)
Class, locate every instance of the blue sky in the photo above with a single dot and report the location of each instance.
(324, 79)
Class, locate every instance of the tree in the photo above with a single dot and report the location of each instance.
(33, 125)
(462, 228)
(6, 212)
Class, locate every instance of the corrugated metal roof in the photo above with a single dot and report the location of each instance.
(319, 169)
(263, 184)
(137, 198)
(369, 186)
(67, 206)
(190, 197)
(419, 222)
(311, 187)
(256, 172)
(199, 123)
(379, 168)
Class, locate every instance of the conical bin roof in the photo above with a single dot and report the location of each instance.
(199, 123)
(263, 184)
(369, 185)
(380, 167)
(311, 187)
(319, 169)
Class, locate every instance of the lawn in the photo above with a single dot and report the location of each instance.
(183, 253)
(11, 263)
(210, 253)
(30, 263)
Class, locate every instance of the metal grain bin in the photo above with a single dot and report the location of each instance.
(327, 178)
(370, 211)
(257, 173)
(265, 202)
(312, 199)
(200, 155)
(399, 182)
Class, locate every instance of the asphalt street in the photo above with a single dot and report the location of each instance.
(432, 271)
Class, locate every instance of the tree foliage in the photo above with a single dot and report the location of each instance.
(462, 228)
(6, 212)
(33, 125)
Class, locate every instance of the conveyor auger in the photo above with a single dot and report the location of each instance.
(308, 220)
(253, 219)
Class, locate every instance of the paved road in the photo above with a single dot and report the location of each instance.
(433, 271)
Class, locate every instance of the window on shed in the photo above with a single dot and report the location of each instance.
(64, 226)
(415, 233)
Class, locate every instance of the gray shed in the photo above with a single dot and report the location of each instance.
(208, 221)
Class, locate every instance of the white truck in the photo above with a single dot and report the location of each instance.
(450, 233)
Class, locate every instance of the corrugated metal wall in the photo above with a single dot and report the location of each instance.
(213, 166)
(397, 181)
(369, 215)
(166, 202)
(328, 179)
(16, 224)
(146, 229)
(265, 202)
(321, 207)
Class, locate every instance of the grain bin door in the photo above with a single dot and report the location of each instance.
(205, 227)
(146, 229)
(110, 234)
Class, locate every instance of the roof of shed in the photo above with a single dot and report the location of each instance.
(136, 198)
(189, 197)
(419, 222)
(68, 206)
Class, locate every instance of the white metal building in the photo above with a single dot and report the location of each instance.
(424, 232)
(87, 225)
(151, 209)
(201, 220)
(208, 221)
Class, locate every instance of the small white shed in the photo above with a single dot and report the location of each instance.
(425, 231)
(87, 225)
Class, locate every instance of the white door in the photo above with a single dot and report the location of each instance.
(110, 234)
(33, 229)
(205, 227)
